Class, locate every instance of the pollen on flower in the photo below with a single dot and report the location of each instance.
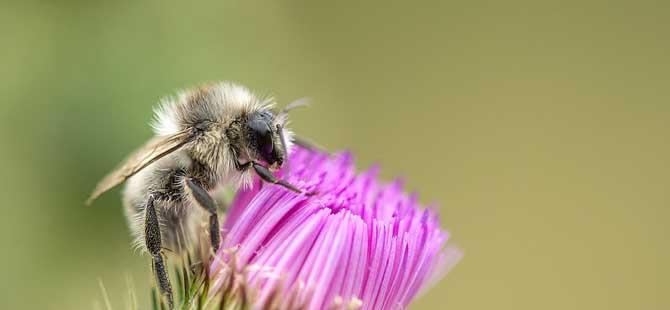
(358, 243)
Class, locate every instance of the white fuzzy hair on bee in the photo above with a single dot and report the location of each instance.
(210, 136)
(227, 99)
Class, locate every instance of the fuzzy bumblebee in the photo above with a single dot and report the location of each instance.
(217, 134)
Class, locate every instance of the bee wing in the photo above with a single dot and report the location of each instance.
(152, 151)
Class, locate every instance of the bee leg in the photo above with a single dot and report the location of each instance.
(267, 176)
(152, 237)
(206, 202)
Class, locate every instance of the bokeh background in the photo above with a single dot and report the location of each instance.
(541, 129)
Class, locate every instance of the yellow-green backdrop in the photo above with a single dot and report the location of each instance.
(541, 128)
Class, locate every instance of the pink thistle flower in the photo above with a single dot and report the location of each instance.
(355, 244)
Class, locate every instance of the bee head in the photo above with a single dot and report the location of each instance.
(265, 139)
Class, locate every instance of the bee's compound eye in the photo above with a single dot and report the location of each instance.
(262, 134)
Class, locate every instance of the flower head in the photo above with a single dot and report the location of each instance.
(356, 243)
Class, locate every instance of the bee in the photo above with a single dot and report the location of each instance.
(217, 134)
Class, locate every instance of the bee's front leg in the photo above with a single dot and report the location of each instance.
(203, 199)
(152, 237)
(267, 176)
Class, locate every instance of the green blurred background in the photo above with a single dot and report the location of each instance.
(541, 129)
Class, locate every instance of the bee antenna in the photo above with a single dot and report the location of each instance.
(287, 167)
(302, 102)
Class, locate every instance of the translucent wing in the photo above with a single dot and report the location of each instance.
(152, 151)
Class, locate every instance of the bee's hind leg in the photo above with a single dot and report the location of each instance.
(206, 202)
(152, 237)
